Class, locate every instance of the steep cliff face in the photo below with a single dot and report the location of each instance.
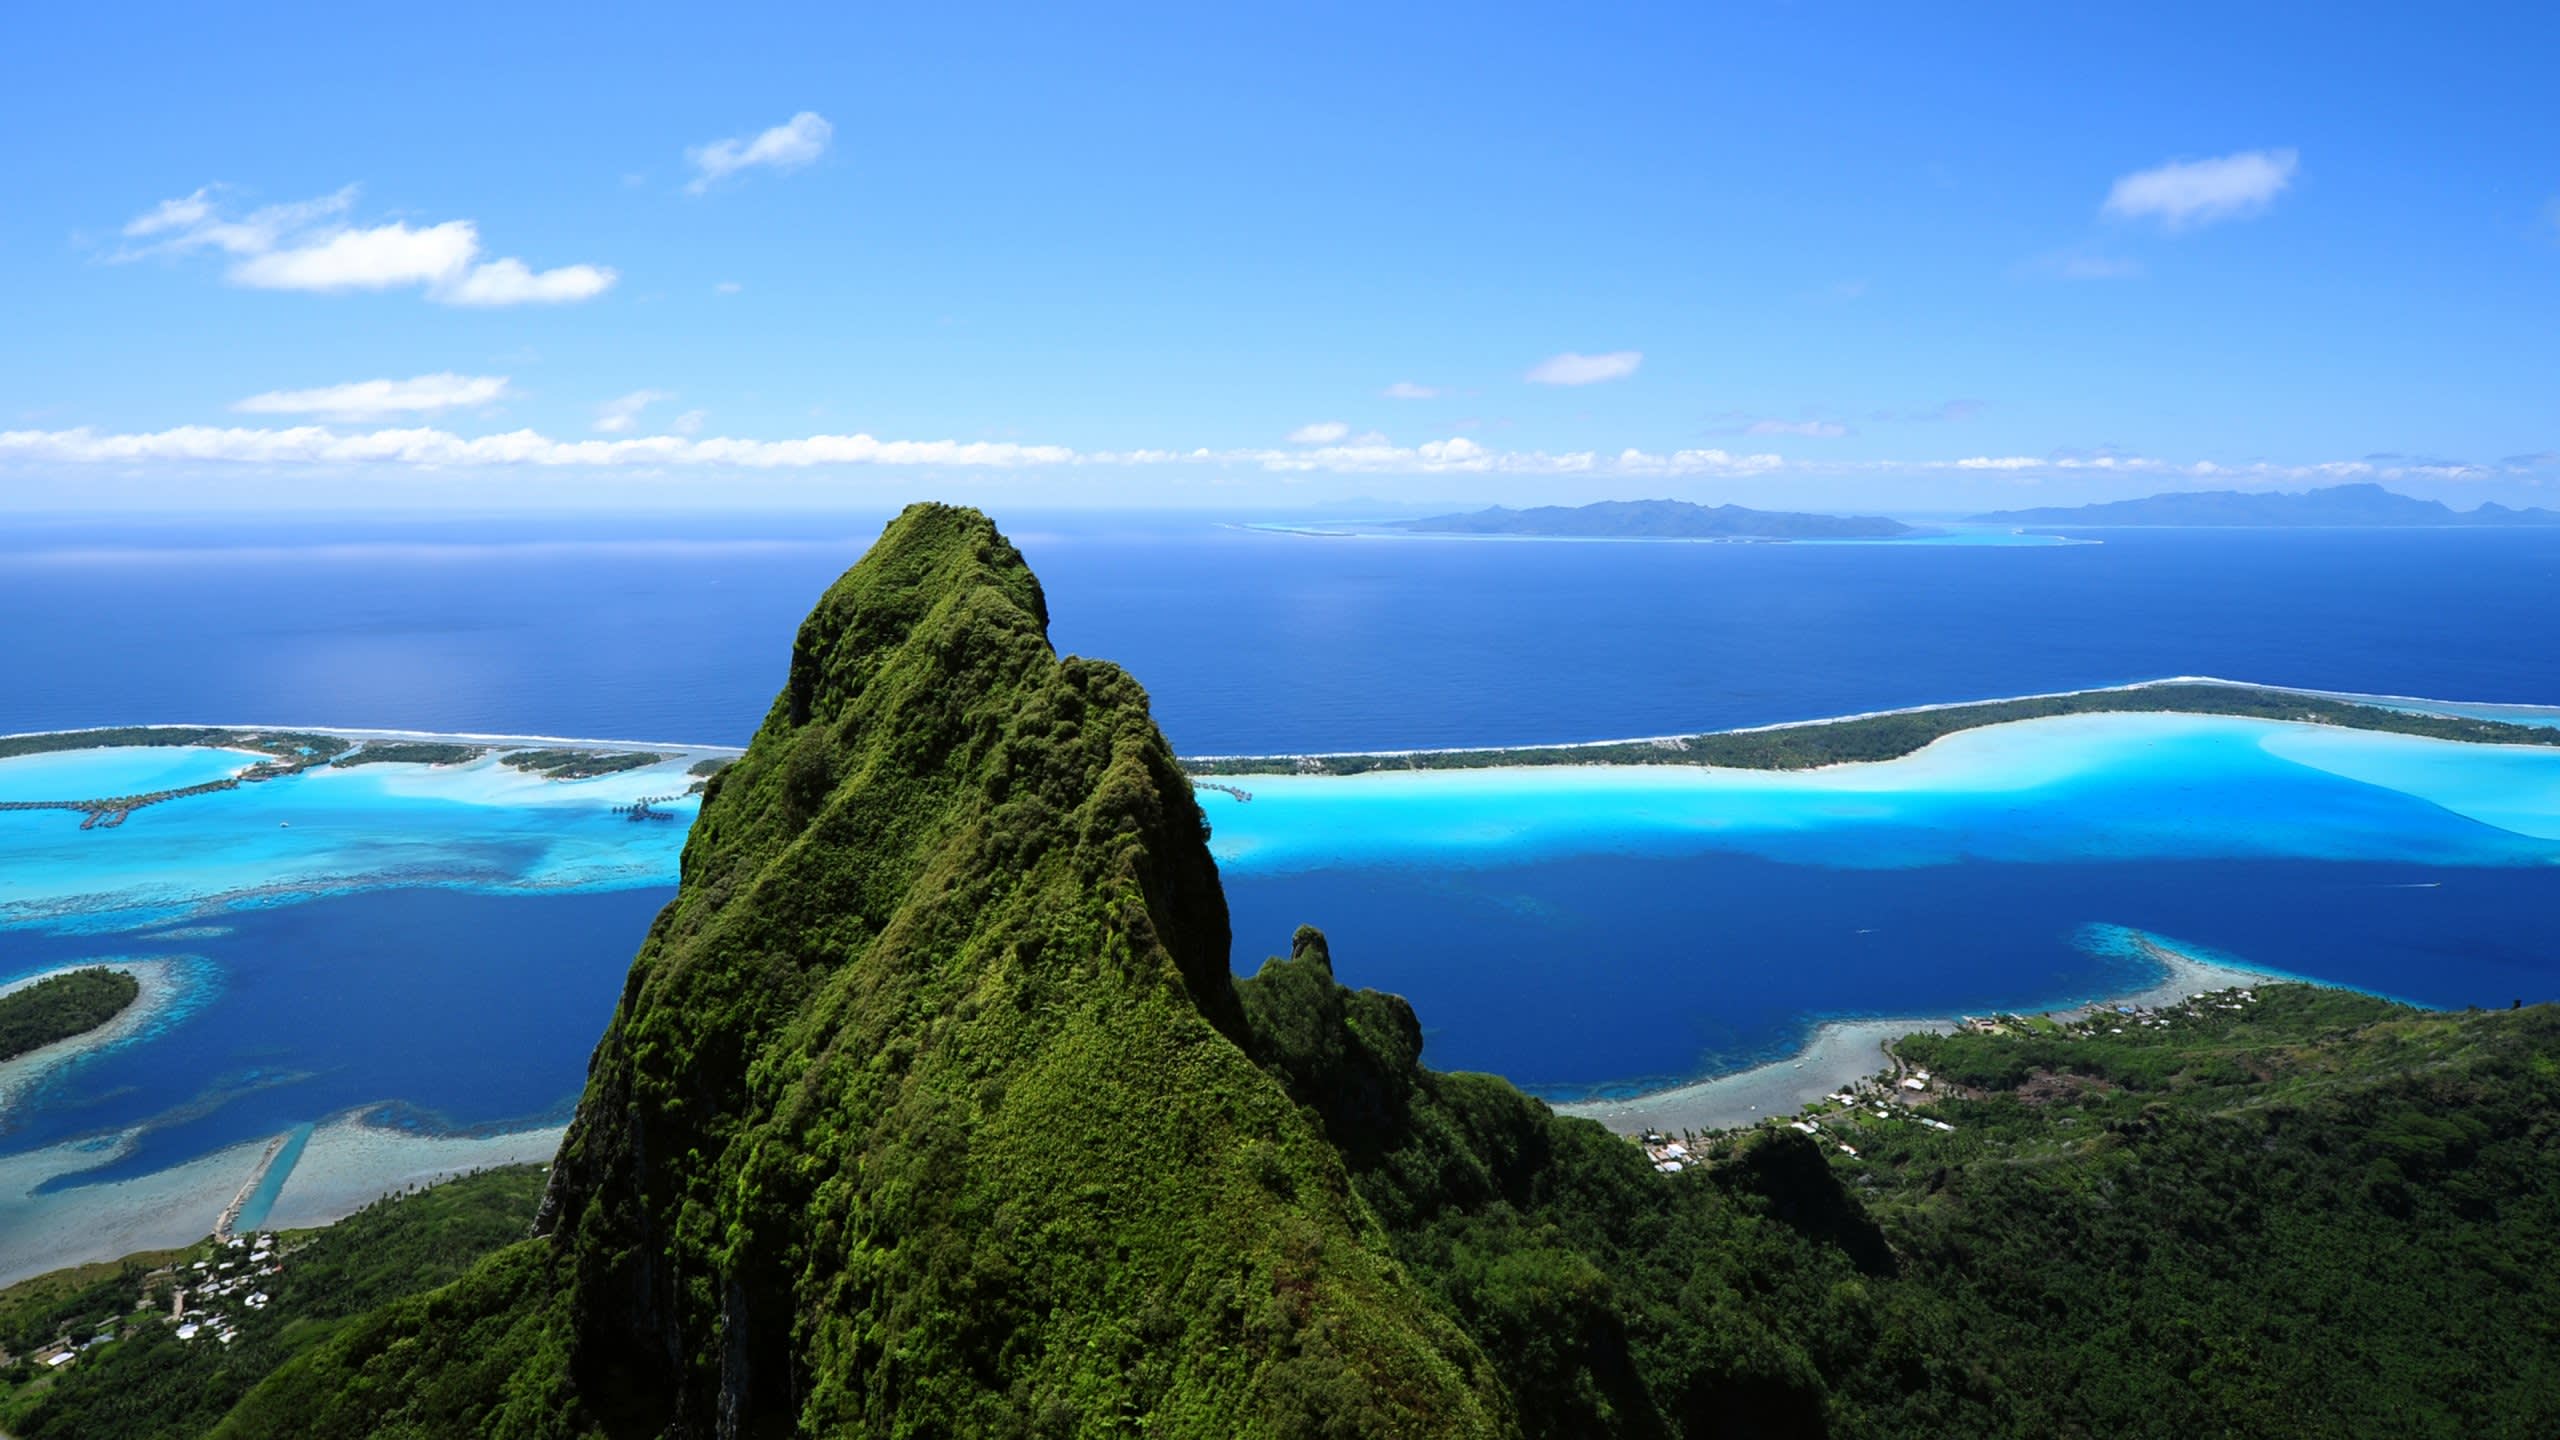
(923, 1109)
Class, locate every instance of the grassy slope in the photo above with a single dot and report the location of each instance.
(2321, 1215)
(150, 1384)
(922, 1111)
(1755, 1299)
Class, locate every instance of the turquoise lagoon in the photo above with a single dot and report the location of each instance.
(1600, 931)
(398, 968)
(402, 969)
(480, 826)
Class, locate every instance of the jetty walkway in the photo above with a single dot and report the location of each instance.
(108, 813)
(239, 1202)
(1241, 794)
(645, 808)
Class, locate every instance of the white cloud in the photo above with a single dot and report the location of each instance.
(1408, 390)
(512, 282)
(618, 415)
(1320, 432)
(727, 287)
(1803, 429)
(318, 445)
(373, 399)
(1366, 455)
(186, 213)
(688, 423)
(1570, 368)
(381, 258)
(2186, 193)
(790, 145)
(192, 222)
(307, 246)
(1697, 462)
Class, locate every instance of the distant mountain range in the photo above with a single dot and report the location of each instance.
(2332, 505)
(1657, 519)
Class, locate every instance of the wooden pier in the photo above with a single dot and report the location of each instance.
(1241, 794)
(645, 808)
(110, 812)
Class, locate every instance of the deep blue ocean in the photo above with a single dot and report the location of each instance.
(1573, 971)
(679, 627)
(479, 1010)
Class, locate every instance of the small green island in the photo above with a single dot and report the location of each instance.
(1894, 734)
(577, 764)
(413, 752)
(61, 1006)
(288, 752)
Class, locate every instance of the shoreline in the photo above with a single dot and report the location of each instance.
(2422, 704)
(343, 732)
(344, 1165)
(348, 1163)
(1934, 707)
(1841, 1052)
(162, 987)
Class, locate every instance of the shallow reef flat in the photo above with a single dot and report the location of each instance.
(482, 824)
(168, 988)
(333, 938)
(351, 1159)
(1597, 932)
(2073, 787)
(49, 1220)
(1840, 1053)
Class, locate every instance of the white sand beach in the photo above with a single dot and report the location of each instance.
(348, 1164)
(1842, 1052)
(75, 1226)
(163, 984)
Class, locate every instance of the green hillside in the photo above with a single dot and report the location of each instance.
(924, 1110)
(151, 1384)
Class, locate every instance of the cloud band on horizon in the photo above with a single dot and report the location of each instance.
(430, 447)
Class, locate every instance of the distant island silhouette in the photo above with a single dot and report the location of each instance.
(2359, 504)
(1657, 519)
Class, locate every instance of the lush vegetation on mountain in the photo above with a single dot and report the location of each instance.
(149, 1384)
(1657, 520)
(924, 1109)
(1891, 736)
(61, 1006)
(930, 1107)
(2358, 504)
(2313, 1214)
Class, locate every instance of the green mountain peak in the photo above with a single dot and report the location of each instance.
(924, 1110)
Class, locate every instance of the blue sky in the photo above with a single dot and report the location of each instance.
(1810, 255)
